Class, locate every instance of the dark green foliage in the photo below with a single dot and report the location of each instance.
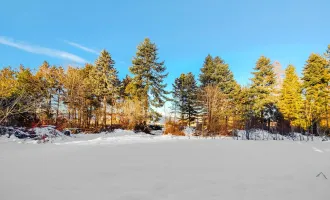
(148, 84)
(216, 72)
(185, 97)
(206, 75)
(263, 83)
(262, 93)
(107, 82)
(106, 75)
(315, 84)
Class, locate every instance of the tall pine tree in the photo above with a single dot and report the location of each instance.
(262, 88)
(223, 77)
(215, 72)
(327, 56)
(107, 81)
(206, 76)
(315, 84)
(148, 84)
(185, 97)
(290, 100)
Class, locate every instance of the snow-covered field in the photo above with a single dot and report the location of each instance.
(124, 165)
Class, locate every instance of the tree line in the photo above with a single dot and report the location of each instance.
(88, 96)
(94, 96)
(218, 105)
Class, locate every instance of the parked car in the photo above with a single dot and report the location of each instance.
(3, 130)
(67, 132)
(155, 127)
(70, 131)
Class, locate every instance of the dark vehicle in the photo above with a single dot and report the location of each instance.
(70, 131)
(3, 130)
(8, 130)
(32, 134)
(155, 127)
(111, 128)
(142, 127)
(67, 132)
(21, 135)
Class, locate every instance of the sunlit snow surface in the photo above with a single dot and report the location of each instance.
(125, 165)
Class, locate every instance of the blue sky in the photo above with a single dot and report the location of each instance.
(239, 31)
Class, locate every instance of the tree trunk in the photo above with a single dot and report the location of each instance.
(262, 120)
(96, 118)
(268, 121)
(69, 110)
(104, 111)
(58, 107)
(80, 116)
(75, 116)
(90, 115)
(49, 107)
(189, 118)
(226, 124)
(111, 113)
(326, 110)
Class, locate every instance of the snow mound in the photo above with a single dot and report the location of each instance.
(31, 136)
(119, 137)
(49, 131)
(258, 135)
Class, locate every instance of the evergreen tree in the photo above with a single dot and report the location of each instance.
(207, 71)
(123, 86)
(90, 93)
(147, 84)
(262, 88)
(290, 100)
(58, 91)
(192, 107)
(242, 107)
(185, 97)
(216, 72)
(179, 96)
(107, 80)
(223, 77)
(46, 77)
(315, 83)
(327, 56)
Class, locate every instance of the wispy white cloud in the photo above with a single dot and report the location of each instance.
(41, 50)
(79, 46)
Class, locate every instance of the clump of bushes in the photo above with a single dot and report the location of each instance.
(174, 128)
(142, 127)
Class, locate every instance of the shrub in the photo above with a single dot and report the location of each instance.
(173, 128)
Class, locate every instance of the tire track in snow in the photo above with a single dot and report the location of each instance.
(317, 150)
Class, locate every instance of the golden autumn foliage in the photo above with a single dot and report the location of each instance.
(173, 128)
(8, 82)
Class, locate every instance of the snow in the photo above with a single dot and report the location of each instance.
(47, 131)
(124, 165)
(265, 135)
